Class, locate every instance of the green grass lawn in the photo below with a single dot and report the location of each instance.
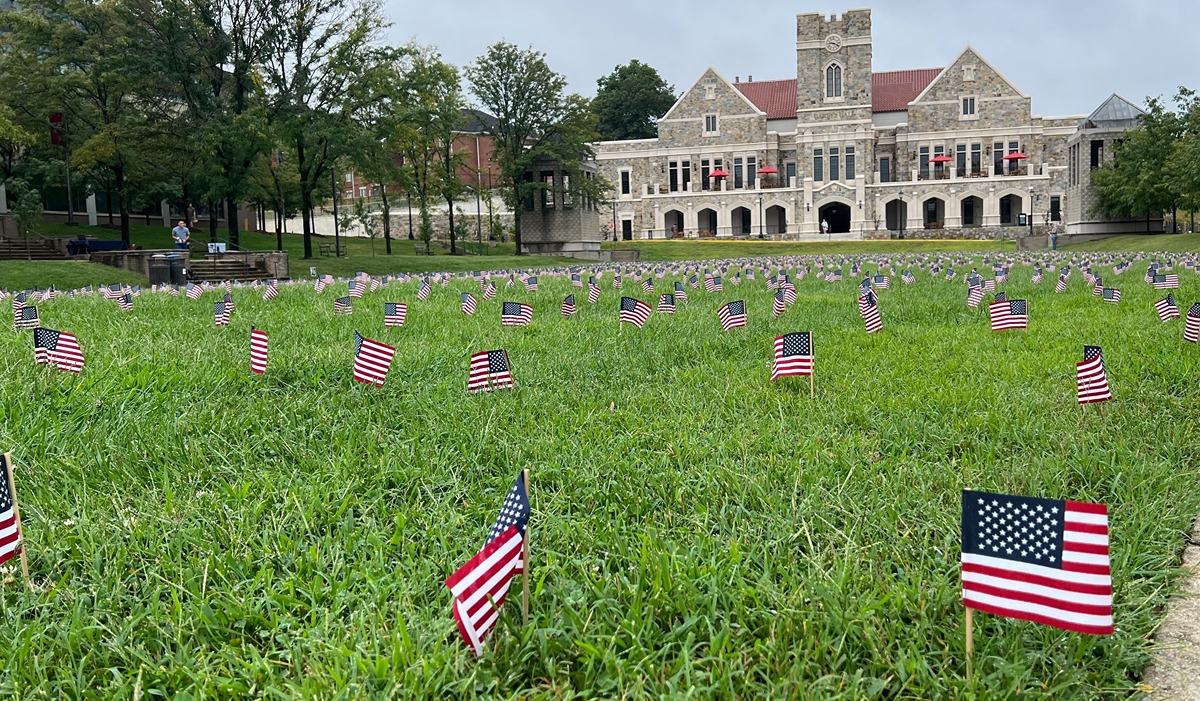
(698, 532)
(66, 275)
(694, 250)
(1141, 242)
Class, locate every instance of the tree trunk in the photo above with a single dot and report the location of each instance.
(517, 227)
(450, 212)
(212, 221)
(231, 219)
(387, 220)
(119, 177)
(306, 219)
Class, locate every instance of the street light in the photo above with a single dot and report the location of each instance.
(760, 218)
(1032, 197)
(900, 212)
(614, 223)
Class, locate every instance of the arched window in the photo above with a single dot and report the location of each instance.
(833, 80)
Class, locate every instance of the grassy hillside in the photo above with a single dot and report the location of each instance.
(693, 250)
(1157, 242)
(23, 274)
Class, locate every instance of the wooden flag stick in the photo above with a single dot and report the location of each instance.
(512, 380)
(812, 391)
(12, 490)
(970, 643)
(525, 557)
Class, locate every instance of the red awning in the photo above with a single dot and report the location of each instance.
(768, 170)
(942, 158)
(1014, 157)
(718, 173)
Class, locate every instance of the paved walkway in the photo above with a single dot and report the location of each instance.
(1175, 674)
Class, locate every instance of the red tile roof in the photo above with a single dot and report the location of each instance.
(891, 91)
(775, 97)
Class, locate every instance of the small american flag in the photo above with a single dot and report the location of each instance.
(907, 277)
(881, 281)
(10, 531)
(789, 291)
(26, 318)
(271, 292)
(193, 292)
(221, 313)
(1000, 297)
(125, 302)
(617, 282)
(321, 282)
(974, 279)
(989, 285)
(1091, 381)
(357, 288)
(868, 308)
(1061, 285)
(778, 305)
(490, 292)
(568, 306)
(634, 311)
(424, 290)
(1166, 282)
(1166, 308)
(1111, 294)
(342, 305)
(1191, 329)
(666, 304)
(1009, 314)
(394, 313)
(576, 281)
(834, 275)
(648, 284)
(593, 293)
(732, 315)
(229, 302)
(372, 360)
(515, 314)
(1037, 277)
(258, 351)
(481, 585)
(531, 284)
(713, 284)
(489, 370)
(57, 349)
(1040, 560)
(468, 303)
(793, 355)
(680, 293)
(374, 283)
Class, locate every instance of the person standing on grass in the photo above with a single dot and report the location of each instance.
(181, 235)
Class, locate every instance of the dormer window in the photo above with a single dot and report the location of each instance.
(833, 82)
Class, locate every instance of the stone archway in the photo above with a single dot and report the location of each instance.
(776, 220)
(739, 221)
(706, 222)
(838, 216)
(672, 222)
(971, 211)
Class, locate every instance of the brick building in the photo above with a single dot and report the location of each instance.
(952, 152)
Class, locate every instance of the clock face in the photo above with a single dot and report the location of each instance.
(833, 43)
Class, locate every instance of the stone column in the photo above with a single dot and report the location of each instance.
(991, 208)
(91, 210)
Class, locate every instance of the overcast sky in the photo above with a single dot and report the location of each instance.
(1068, 55)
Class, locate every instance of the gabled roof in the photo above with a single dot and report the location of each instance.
(473, 121)
(1114, 113)
(891, 91)
(775, 97)
(716, 74)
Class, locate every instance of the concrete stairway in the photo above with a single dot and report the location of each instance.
(14, 249)
(218, 269)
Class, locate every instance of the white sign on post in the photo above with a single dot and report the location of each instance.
(312, 272)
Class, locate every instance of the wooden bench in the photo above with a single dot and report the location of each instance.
(327, 249)
(421, 249)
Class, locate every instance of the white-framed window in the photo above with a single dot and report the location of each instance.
(362, 192)
(712, 125)
(968, 108)
(349, 177)
(625, 181)
(833, 81)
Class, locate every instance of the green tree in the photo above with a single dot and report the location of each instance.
(534, 119)
(1183, 167)
(1136, 179)
(630, 101)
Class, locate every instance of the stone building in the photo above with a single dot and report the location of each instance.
(952, 152)
(1090, 147)
(556, 221)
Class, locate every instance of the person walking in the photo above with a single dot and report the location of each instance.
(824, 226)
(181, 236)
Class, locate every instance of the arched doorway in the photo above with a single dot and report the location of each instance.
(776, 220)
(706, 222)
(838, 216)
(1010, 207)
(934, 213)
(972, 211)
(895, 212)
(739, 221)
(673, 222)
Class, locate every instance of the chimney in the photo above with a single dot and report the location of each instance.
(749, 79)
(737, 79)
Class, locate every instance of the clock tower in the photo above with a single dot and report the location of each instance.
(833, 67)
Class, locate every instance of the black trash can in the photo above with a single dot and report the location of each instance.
(177, 271)
(160, 270)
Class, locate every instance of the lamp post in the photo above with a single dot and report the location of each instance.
(900, 213)
(860, 221)
(760, 218)
(337, 237)
(614, 222)
(807, 211)
(1032, 197)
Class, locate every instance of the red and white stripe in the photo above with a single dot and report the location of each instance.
(480, 586)
(258, 351)
(1091, 382)
(372, 362)
(1077, 597)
